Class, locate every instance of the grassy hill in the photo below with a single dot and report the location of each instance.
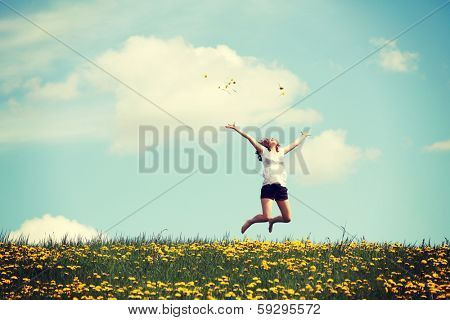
(165, 268)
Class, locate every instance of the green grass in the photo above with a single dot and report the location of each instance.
(159, 267)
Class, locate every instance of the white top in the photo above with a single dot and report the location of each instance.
(274, 170)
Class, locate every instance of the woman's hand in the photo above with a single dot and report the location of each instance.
(231, 126)
(305, 134)
(259, 148)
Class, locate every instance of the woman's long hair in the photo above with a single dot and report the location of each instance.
(265, 143)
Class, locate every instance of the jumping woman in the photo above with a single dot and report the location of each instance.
(274, 187)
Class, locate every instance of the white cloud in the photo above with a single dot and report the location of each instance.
(55, 227)
(53, 90)
(170, 73)
(174, 84)
(438, 146)
(177, 85)
(393, 59)
(330, 158)
(44, 124)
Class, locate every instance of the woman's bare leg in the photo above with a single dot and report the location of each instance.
(285, 216)
(264, 217)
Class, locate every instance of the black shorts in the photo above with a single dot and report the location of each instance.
(274, 191)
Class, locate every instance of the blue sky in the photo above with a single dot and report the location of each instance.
(379, 154)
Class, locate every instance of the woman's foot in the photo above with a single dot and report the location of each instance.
(245, 226)
(270, 225)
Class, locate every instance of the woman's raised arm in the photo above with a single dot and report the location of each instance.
(259, 148)
(296, 142)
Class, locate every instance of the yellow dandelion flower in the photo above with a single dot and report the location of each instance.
(230, 294)
(290, 291)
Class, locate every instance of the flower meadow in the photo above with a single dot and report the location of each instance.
(159, 269)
